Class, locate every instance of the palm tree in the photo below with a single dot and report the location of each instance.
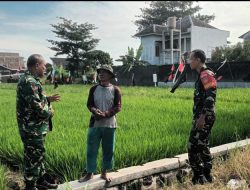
(130, 60)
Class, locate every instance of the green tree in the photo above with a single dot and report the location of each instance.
(76, 42)
(245, 54)
(159, 11)
(96, 57)
(237, 52)
(132, 59)
(49, 68)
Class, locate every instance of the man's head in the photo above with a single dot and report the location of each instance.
(197, 58)
(36, 64)
(105, 73)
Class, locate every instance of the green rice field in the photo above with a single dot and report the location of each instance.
(3, 181)
(153, 124)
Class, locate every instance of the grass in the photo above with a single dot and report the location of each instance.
(3, 180)
(153, 124)
(237, 166)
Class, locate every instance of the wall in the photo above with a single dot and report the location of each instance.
(148, 43)
(152, 175)
(148, 54)
(207, 39)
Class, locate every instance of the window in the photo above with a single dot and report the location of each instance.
(175, 44)
(157, 51)
(188, 44)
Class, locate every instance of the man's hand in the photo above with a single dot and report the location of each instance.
(52, 111)
(54, 98)
(99, 114)
(200, 122)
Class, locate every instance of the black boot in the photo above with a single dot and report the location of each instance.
(30, 186)
(43, 184)
(198, 178)
(208, 176)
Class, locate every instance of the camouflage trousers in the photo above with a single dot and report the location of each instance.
(199, 155)
(34, 154)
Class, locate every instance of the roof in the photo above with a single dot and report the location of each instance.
(245, 36)
(2, 67)
(186, 23)
(200, 23)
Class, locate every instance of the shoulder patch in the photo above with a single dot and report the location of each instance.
(208, 80)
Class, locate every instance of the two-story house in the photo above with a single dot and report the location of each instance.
(195, 34)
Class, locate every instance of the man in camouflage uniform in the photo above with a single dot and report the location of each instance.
(199, 155)
(33, 115)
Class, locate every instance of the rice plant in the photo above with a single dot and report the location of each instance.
(153, 124)
(3, 181)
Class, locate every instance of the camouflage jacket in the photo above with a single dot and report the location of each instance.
(32, 109)
(205, 93)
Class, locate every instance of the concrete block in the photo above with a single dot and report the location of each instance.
(142, 174)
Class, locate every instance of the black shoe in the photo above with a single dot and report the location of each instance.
(208, 176)
(200, 179)
(46, 185)
(30, 186)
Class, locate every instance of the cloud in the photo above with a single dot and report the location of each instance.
(114, 21)
(232, 16)
(3, 15)
(25, 46)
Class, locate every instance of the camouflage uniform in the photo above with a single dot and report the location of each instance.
(199, 155)
(33, 113)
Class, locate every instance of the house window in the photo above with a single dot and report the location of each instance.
(188, 44)
(157, 51)
(175, 44)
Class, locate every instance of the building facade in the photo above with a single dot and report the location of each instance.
(195, 34)
(12, 61)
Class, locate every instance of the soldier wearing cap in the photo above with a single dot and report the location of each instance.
(104, 102)
(33, 115)
(199, 155)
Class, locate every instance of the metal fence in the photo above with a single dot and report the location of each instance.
(143, 75)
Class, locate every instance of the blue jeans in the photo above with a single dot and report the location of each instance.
(95, 136)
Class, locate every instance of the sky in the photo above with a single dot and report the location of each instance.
(25, 26)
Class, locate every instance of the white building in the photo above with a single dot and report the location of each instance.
(195, 34)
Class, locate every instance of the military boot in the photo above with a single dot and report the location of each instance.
(207, 174)
(198, 178)
(43, 184)
(30, 186)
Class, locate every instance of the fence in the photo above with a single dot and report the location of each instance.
(143, 75)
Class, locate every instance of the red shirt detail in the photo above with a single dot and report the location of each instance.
(208, 80)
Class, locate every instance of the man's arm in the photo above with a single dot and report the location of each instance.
(37, 103)
(209, 83)
(90, 102)
(117, 104)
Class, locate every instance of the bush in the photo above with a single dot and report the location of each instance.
(238, 52)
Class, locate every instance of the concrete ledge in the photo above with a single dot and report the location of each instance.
(220, 84)
(155, 167)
